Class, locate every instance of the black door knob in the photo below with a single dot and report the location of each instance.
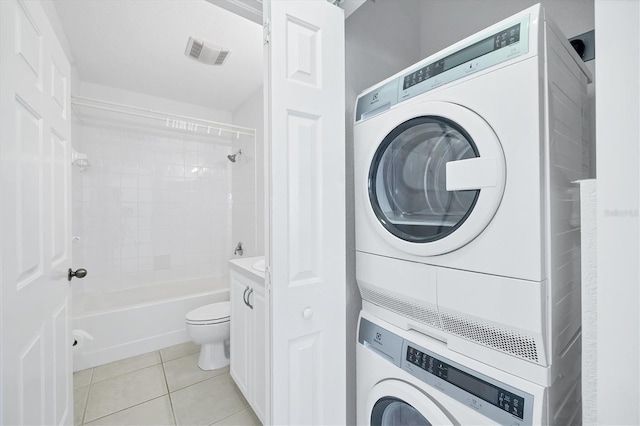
(78, 273)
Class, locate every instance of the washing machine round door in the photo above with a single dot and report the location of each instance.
(396, 403)
(436, 180)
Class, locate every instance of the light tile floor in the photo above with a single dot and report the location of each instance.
(164, 387)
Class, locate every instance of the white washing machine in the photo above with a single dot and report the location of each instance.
(405, 378)
(467, 224)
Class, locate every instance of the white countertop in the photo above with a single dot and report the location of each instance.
(244, 265)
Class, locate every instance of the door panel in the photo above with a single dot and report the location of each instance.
(31, 382)
(59, 192)
(305, 182)
(435, 181)
(306, 252)
(28, 193)
(35, 220)
(409, 181)
(61, 386)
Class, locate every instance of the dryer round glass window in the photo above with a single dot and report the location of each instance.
(407, 179)
(394, 412)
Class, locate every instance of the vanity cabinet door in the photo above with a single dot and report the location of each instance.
(258, 362)
(249, 340)
(241, 333)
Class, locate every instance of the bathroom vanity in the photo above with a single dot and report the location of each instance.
(248, 330)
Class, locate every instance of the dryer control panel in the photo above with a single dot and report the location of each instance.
(480, 52)
(496, 400)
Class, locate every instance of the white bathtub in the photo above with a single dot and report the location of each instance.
(135, 321)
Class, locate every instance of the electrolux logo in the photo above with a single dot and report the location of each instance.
(375, 98)
(378, 338)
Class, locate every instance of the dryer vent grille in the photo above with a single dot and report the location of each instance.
(421, 312)
(504, 340)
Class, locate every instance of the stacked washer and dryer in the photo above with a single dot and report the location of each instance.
(467, 232)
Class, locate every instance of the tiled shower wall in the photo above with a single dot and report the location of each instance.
(248, 178)
(154, 206)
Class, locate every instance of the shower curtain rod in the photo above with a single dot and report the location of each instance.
(175, 121)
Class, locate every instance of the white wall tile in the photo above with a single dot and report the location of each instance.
(129, 181)
(150, 208)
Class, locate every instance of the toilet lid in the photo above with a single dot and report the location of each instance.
(210, 312)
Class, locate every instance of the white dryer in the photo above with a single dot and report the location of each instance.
(405, 378)
(467, 222)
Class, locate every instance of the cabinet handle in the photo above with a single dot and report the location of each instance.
(248, 301)
(244, 296)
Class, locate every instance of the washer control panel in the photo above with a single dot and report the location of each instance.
(499, 401)
(508, 401)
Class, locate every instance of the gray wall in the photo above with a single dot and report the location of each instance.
(381, 39)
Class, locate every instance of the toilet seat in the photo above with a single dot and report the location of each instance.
(215, 313)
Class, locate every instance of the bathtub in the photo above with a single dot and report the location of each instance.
(134, 321)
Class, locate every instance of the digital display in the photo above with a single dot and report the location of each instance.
(471, 52)
(507, 401)
(472, 385)
(490, 44)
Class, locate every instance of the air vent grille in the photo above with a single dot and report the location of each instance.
(502, 339)
(484, 333)
(221, 57)
(196, 49)
(206, 52)
(422, 313)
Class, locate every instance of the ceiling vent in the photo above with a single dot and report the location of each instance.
(205, 52)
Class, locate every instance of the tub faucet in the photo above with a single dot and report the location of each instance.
(239, 250)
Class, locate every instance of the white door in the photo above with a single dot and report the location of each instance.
(306, 251)
(36, 386)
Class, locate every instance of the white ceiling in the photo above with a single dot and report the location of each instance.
(139, 45)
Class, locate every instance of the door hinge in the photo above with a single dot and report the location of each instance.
(267, 278)
(266, 32)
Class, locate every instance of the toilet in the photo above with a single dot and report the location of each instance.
(208, 326)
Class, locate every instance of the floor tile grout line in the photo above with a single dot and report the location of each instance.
(226, 417)
(195, 383)
(161, 363)
(173, 412)
(128, 372)
(180, 357)
(120, 375)
(135, 405)
(86, 400)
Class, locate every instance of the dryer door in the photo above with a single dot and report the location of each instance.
(436, 180)
(395, 403)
